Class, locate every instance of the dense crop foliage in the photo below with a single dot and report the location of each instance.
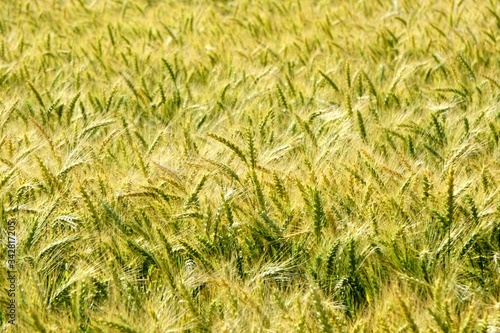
(251, 166)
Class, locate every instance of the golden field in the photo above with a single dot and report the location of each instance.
(250, 166)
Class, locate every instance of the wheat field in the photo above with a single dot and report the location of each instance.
(250, 166)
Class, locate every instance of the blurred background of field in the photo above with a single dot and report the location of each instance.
(252, 166)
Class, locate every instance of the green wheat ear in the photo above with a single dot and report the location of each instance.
(361, 126)
(319, 216)
(329, 81)
(281, 98)
(193, 200)
(236, 149)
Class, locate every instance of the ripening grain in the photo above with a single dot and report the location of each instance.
(251, 166)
